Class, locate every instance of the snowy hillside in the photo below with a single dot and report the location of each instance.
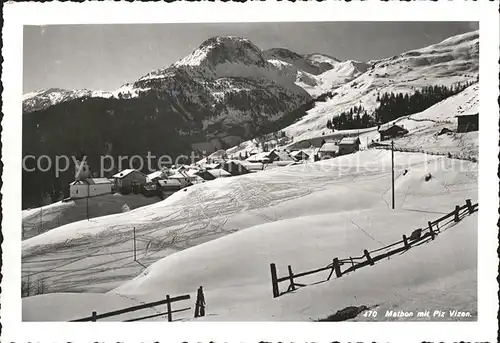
(45, 218)
(454, 60)
(274, 206)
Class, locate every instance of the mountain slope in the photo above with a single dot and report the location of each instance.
(451, 61)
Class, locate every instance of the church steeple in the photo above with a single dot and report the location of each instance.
(82, 169)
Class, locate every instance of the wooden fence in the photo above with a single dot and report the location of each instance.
(417, 237)
(199, 311)
(437, 153)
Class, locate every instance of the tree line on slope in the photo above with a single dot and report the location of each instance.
(394, 105)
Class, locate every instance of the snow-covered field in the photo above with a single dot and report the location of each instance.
(42, 219)
(223, 234)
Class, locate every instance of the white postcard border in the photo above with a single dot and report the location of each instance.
(17, 15)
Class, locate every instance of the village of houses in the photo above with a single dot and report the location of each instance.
(220, 164)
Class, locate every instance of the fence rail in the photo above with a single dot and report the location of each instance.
(200, 303)
(437, 153)
(417, 237)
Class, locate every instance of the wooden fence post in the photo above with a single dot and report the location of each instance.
(457, 210)
(367, 255)
(169, 309)
(201, 302)
(433, 234)
(274, 281)
(469, 206)
(94, 315)
(405, 241)
(290, 273)
(199, 306)
(336, 266)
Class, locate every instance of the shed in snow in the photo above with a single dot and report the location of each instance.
(467, 123)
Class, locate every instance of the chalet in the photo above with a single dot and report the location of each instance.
(328, 150)
(169, 185)
(300, 155)
(235, 168)
(348, 145)
(468, 123)
(129, 179)
(388, 131)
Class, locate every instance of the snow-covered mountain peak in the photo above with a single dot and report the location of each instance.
(314, 64)
(321, 58)
(218, 50)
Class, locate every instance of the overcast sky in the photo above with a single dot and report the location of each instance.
(103, 57)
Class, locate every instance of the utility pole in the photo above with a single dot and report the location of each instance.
(135, 257)
(392, 160)
(41, 218)
(88, 194)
